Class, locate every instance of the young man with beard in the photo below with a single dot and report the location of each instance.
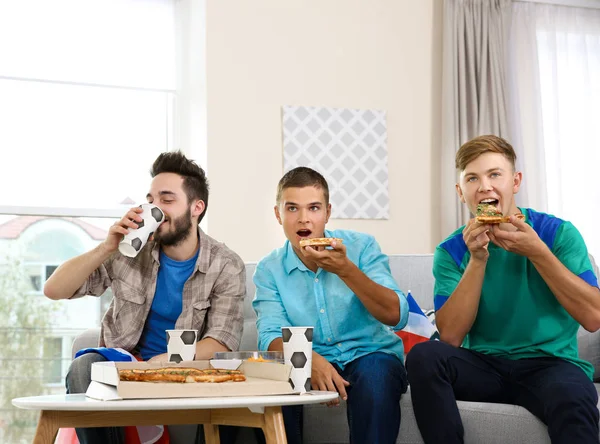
(350, 297)
(513, 295)
(182, 279)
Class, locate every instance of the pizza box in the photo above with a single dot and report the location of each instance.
(262, 378)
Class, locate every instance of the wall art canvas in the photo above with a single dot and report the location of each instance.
(349, 147)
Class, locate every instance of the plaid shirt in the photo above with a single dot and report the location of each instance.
(213, 296)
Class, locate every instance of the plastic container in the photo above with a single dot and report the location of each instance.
(268, 356)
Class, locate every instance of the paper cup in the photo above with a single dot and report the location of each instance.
(134, 241)
(181, 345)
(297, 352)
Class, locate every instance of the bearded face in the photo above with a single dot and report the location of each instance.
(177, 231)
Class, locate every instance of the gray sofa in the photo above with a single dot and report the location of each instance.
(483, 422)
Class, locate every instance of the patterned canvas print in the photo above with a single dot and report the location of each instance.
(347, 146)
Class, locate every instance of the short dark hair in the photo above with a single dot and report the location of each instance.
(474, 148)
(195, 183)
(301, 177)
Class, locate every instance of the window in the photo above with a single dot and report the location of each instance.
(84, 115)
(90, 147)
(555, 63)
(568, 42)
(53, 354)
(88, 102)
(39, 274)
(35, 279)
(49, 270)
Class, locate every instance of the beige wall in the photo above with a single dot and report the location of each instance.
(262, 54)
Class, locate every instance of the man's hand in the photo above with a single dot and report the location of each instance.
(159, 358)
(121, 228)
(476, 236)
(333, 260)
(524, 241)
(326, 378)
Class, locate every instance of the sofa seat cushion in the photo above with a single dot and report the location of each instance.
(483, 422)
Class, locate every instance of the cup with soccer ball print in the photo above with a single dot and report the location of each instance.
(134, 241)
(181, 345)
(297, 352)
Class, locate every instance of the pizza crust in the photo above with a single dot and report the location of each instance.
(320, 241)
(497, 219)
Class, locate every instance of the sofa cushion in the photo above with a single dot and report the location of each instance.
(483, 423)
(589, 343)
(589, 349)
(413, 272)
(250, 336)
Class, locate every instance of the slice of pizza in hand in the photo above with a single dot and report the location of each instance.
(489, 214)
(320, 241)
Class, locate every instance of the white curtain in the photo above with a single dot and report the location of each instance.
(474, 88)
(555, 88)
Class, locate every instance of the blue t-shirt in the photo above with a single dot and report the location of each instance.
(166, 305)
(289, 294)
(518, 316)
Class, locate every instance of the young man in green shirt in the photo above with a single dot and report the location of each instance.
(513, 295)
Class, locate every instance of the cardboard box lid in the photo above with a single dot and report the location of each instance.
(262, 378)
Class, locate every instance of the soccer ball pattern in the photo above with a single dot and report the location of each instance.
(181, 345)
(136, 243)
(155, 214)
(175, 357)
(298, 360)
(297, 345)
(188, 337)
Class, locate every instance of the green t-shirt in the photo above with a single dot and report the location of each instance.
(518, 315)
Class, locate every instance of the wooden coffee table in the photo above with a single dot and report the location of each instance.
(58, 411)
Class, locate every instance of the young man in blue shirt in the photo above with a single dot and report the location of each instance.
(350, 297)
(513, 295)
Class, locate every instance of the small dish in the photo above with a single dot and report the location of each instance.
(256, 356)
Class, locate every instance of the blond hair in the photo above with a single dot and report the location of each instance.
(474, 148)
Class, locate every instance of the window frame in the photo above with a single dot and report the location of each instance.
(27, 210)
(43, 274)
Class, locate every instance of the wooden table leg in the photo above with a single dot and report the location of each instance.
(274, 428)
(211, 434)
(47, 428)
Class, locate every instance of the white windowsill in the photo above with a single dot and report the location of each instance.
(62, 212)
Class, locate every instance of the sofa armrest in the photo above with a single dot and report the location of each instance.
(89, 338)
(589, 349)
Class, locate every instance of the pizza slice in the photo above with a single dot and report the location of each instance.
(218, 375)
(168, 374)
(320, 241)
(489, 214)
(180, 374)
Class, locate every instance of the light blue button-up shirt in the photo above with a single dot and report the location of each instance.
(289, 294)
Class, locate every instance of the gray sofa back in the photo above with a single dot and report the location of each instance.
(411, 271)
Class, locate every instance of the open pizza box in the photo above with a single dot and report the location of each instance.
(262, 378)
